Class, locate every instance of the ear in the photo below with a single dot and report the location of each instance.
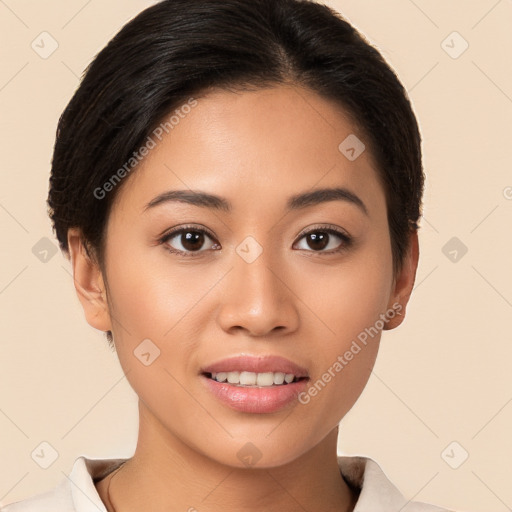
(89, 283)
(404, 283)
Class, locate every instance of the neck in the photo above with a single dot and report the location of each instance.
(166, 474)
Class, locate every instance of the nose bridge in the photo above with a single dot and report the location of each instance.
(256, 297)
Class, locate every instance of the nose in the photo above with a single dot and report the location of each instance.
(257, 298)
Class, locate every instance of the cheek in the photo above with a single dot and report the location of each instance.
(151, 295)
(349, 297)
(348, 302)
(154, 311)
(153, 298)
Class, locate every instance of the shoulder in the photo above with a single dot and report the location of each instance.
(74, 493)
(376, 491)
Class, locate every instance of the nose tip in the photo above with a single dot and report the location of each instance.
(257, 300)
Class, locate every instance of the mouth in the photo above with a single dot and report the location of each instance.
(253, 379)
(255, 384)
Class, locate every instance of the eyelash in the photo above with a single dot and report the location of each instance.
(331, 230)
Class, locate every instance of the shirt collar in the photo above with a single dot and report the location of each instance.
(376, 492)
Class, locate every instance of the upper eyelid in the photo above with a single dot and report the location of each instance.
(329, 228)
(181, 229)
(303, 232)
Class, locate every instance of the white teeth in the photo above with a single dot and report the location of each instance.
(244, 378)
(264, 379)
(221, 376)
(248, 378)
(288, 378)
(278, 378)
(234, 377)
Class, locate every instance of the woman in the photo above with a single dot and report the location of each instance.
(237, 186)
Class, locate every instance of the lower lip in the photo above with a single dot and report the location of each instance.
(253, 399)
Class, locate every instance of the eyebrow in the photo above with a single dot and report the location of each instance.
(296, 202)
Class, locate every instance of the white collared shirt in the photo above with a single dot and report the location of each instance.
(77, 493)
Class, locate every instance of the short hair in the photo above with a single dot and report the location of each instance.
(178, 49)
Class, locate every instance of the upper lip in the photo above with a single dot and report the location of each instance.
(256, 364)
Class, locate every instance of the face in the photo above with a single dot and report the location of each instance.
(291, 283)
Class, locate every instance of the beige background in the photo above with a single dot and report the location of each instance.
(443, 376)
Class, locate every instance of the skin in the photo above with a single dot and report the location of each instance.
(255, 149)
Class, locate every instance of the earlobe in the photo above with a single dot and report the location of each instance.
(89, 283)
(404, 284)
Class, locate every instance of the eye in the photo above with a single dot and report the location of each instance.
(191, 241)
(325, 240)
(188, 240)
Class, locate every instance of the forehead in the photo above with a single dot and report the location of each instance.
(254, 146)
